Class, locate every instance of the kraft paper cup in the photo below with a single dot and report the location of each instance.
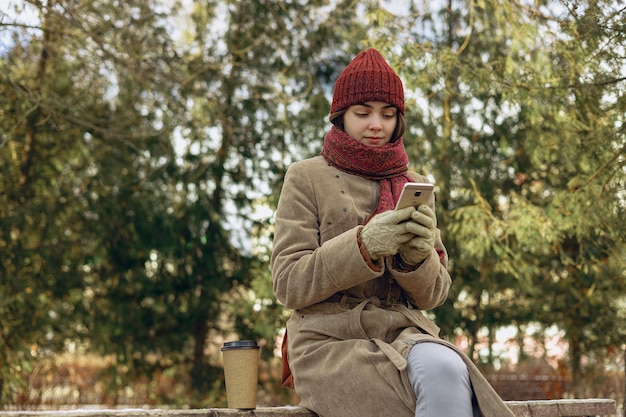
(241, 372)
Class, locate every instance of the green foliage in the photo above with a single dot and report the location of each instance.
(523, 133)
(132, 164)
(77, 146)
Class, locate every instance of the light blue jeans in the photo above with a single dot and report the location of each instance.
(441, 382)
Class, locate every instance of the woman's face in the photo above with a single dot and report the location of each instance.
(372, 123)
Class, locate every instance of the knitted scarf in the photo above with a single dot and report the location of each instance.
(386, 164)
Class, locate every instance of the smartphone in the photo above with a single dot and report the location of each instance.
(415, 194)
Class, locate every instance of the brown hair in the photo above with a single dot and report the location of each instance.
(336, 118)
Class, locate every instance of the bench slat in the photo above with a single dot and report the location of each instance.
(539, 408)
(563, 408)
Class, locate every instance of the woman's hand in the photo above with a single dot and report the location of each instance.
(385, 232)
(424, 223)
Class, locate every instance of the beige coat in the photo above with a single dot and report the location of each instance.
(348, 353)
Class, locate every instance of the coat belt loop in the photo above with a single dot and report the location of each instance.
(394, 356)
(356, 328)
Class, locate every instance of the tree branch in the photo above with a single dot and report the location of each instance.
(471, 27)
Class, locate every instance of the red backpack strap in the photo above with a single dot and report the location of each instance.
(286, 377)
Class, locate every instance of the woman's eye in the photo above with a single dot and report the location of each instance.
(389, 116)
(362, 114)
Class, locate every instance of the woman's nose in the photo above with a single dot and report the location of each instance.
(375, 123)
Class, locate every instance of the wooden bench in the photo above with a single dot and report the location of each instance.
(547, 408)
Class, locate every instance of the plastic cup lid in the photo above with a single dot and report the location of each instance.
(240, 344)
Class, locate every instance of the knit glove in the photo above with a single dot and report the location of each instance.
(415, 250)
(386, 231)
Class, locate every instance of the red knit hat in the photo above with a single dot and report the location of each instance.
(368, 78)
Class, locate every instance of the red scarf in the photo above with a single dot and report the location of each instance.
(386, 164)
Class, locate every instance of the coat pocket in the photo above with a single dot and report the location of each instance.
(323, 326)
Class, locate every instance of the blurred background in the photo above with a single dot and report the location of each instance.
(143, 145)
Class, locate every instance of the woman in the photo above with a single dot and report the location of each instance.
(358, 273)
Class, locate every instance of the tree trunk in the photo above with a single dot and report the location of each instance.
(198, 370)
(492, 339)
(578, 385)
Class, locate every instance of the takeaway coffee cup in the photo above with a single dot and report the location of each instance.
(241, 371)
